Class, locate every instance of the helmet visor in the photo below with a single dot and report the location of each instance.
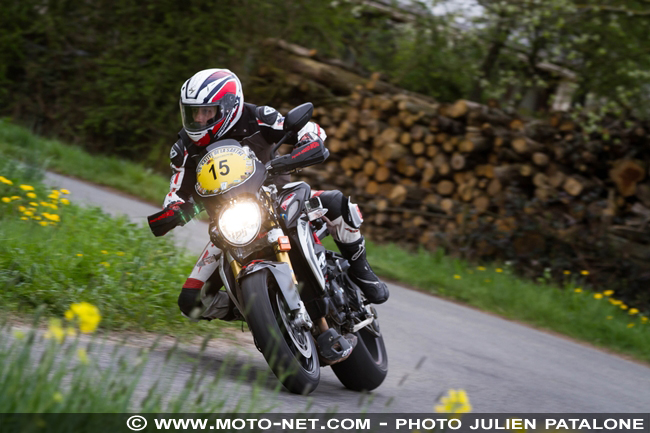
(199, 117)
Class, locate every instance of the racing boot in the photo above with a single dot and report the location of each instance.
(361, 273)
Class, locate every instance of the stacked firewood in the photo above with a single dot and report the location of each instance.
(478, 181)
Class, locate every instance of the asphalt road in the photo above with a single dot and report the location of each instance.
(433, 345)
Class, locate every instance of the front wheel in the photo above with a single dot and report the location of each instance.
(291, 353)
(367, 366)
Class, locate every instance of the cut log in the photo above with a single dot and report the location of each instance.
(540, 159)
(626, 174)
(445, 187)
(461, 107)
(575, 185)
(382, 174)
(526, 146)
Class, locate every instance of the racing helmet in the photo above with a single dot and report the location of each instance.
(211, 104)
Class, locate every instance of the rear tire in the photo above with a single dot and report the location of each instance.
(282, 347)
(367, 366)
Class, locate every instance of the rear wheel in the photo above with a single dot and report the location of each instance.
(289, 351)
(367, 366)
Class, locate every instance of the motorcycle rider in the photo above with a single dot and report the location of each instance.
(212, 108)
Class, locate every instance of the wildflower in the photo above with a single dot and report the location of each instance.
(65, 201)
(28, 213)
(55, 330)
(633, 311)
(608, 292)
(644, 319)
(567, 272)
(43, 203)
(455, 402)
(55, 192)
(16, 197)
(6, 199)
(31, 195)
(37, 218)
(27, 187)
(32, 204)
(481, 268)
(104, 252)
(119, 253)
(577, 290)
(624, 307)
(65, 191)
(82, 355)
(615, 301)
(598, 296)
(53, 197)
(24, 218)
(584, 272)
(106, 264)
(22, 208)
(499, 270)
(57, 397)
(52, 217)
(87, 314)
(457, 277)
(609, 317)
(43, 223)
(630, 325)
(79, 255)
(5, 180)
(53, 206)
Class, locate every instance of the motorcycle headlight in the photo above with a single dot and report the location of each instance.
(240, 222)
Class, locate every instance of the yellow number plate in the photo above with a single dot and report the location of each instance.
(221, 169)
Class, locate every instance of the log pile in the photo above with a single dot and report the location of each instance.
(482, 183)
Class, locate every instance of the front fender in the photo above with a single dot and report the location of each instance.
(283, 276)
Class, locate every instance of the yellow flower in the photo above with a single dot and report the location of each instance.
(119, 253)
(584, 272)
(53, 196)
(55, 330)
(598, 296)
(55, 192)
(629, 325)
(22, 208)
(608, 292)
(499, 270)
(82, 355)
(53, 206)
(609, 317)
(32, 204)
(87, 314)
(457, 277)
(481, 268)
(31, 195)
(27, 187)
(80, 255)
(43, 223)
(57, 397)
(5, 180)
(16, 197)
(624, 307)
(6, 199)
(455, 402)
(29, 213)
(65, 191)
(43, 203)
(52, 216)
(65, 201)
(567, 272)
(615, 301)
(644, 319)
(633, 311)
(104, 252)
(577, 290)
(105, 264)
(24, 218)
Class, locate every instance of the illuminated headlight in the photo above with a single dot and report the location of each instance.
(240, 222)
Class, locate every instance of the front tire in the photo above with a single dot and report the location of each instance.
(283, 347)
(367, 366)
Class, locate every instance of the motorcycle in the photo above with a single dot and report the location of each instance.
(294, 294)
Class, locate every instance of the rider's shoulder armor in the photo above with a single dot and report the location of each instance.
(177, 154)
(266, 114)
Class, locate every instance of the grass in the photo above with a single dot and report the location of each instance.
(541, 304)
(85, 375)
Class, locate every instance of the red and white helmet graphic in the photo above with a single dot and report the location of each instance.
(211, 103)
